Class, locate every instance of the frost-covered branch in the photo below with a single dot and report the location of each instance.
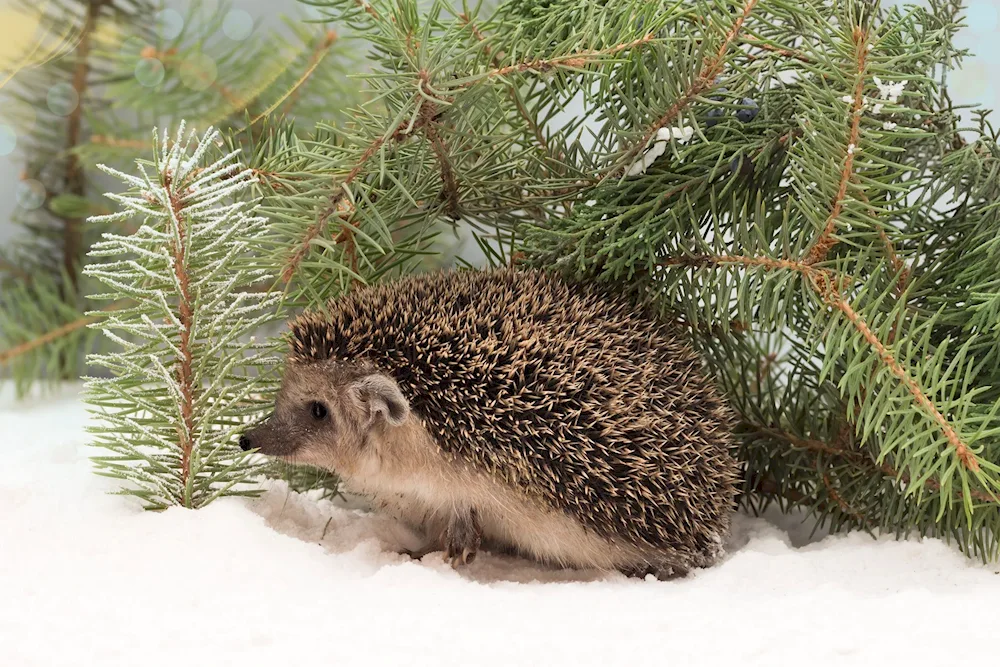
(186, 359)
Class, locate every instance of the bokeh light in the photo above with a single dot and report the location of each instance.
(8, 139)
(170, 23)
(237, 25)
(198, 72)
(109, 34)
(30, 194)
(62, 99)
(18, 33)
(149, 72)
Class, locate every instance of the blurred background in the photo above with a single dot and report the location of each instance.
(977, 83)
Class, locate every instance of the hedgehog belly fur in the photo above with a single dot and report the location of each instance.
(413, 480)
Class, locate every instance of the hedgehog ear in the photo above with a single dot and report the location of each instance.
(383, 397)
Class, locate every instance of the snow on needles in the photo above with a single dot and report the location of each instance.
(659, 147)
(890, 90)
(87, 579)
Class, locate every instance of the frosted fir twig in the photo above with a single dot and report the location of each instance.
(181, 374)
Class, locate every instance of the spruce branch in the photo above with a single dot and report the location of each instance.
(422, 123)
(184, 376)
(782, 51)
(40, 333)
(856, 457)
(888, 358)
(62, 40)
(305, 69)
(14, 270)
(536, 129)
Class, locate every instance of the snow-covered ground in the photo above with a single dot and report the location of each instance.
(87, 579)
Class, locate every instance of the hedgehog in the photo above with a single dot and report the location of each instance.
(514, 411)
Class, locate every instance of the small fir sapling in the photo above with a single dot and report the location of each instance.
(187, 370)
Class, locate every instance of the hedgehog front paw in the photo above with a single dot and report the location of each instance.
(462, 538)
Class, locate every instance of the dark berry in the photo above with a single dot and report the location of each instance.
(713, 116)
(717, 113)
(741, 166)
(749, 113)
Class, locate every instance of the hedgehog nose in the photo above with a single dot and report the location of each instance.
(245, 443)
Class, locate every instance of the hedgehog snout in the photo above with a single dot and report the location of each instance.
(256, 438)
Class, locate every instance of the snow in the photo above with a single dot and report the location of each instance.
(659, 147)
(890, 90)
(88, 579)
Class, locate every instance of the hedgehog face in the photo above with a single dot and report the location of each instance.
(326, 413)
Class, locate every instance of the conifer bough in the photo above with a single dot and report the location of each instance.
(838, 280)
(183, 376)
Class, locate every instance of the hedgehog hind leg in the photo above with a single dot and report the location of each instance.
(463, 537)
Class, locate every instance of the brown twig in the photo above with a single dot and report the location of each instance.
(706, 76)
(104, 140)
(844, 506)
(512, 91)
(56, 334)
(368, 9)
(787, 53)
(317, 57)
(14, 270)
(237, 103)
(897, 264)
(769, 487)
(185, 362)
(826, 239)
(75, 183)
(346, 235)
(579, 59)
(807, 443)
(448, 179)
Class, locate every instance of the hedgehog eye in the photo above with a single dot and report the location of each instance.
(318, 410)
